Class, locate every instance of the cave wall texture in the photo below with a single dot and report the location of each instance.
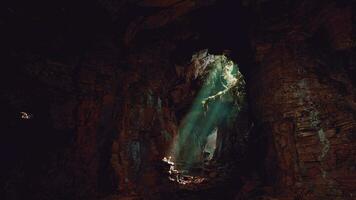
(300, 73)
(107, 82)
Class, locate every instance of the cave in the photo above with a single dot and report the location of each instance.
(178, 99)
(200, 143)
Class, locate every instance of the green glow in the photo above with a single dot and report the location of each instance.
(220, 98)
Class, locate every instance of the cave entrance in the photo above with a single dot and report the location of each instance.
(217, 103)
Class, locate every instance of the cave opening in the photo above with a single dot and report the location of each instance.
(198, 147)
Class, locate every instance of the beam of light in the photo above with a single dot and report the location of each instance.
(210, 145)
(217, 99)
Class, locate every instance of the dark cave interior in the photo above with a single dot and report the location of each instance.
(120, 99)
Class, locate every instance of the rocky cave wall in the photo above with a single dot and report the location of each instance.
(302, 91)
